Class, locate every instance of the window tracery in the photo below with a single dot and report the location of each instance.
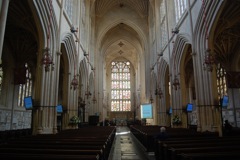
(180, 7)
(163, 24)
(120, 86)
(69, 8)
(221, 81)
(25, 89)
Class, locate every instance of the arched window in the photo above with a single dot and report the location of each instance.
(1, 78)
(25, 89)
(69, 8)
(120, 86)
(180, 7)
(221, 81)
(82, 23)
(163, 24)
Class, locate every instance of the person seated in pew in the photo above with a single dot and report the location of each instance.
(159, 137)
(162, 135)
(227, 126)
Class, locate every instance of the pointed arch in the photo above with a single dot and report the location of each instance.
(178, 49)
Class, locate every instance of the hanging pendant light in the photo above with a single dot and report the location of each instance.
(47, 60)
(209, 60)
(176, 83)
(74, 83)
(151, 99)
(94, 98)
(160, 93)
(88, 93)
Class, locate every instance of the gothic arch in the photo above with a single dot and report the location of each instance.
(43, 20)
(71, 54)
(83, 74)
(165, 101)
(178, 49)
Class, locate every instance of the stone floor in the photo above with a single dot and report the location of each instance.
(127, 147)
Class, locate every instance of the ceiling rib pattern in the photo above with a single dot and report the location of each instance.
(227, 35)
(140, 6)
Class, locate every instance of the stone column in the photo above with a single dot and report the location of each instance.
(3, 19)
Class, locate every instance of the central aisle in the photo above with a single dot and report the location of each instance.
(127, 147)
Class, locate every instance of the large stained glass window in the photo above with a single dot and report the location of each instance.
(221, 81)
(120, 85)
(25, 89)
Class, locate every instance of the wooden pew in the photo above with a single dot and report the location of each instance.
(193, 142)
(176, 152)
(234, 155)
(84, 142)
(30, 156)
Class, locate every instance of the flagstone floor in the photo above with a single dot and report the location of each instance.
(127, 147)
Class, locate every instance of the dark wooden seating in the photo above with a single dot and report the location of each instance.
(13, 134)
(175, 152)
(84, 143)
(186, 144)
(29, 156)
(234, 155)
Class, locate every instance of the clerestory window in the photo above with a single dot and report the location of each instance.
(180, 7)
(69, 8)
(163, 24)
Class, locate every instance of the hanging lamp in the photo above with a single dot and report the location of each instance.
(74, 83)
(47, 60)
(209, 58)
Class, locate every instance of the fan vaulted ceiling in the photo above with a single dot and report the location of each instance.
(140, 6)
(121, 21)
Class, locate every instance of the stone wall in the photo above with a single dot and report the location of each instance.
(20, 120)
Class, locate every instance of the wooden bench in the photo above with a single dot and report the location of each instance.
(162, 146)
(79, 143)
(175, 152)
(234, 155)
(30, 156)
